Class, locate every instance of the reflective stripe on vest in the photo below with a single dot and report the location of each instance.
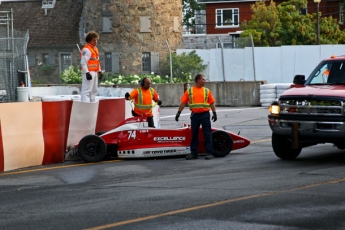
(93, 63)
(140, 104)
(199, 105)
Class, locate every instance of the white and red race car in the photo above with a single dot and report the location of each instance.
(131, 139)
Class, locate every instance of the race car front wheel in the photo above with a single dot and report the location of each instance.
(92, 148)
(222, 143)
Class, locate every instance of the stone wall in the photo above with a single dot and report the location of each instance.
(203, 41)
(226, 93)
(125, 36)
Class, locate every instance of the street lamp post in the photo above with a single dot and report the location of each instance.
(317, 21)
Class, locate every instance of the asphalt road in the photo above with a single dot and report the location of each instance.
(249, 189)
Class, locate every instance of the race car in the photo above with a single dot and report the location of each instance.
(132, 139)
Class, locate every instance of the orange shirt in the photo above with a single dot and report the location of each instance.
(143, 101)
(198, 103)
(326, 72)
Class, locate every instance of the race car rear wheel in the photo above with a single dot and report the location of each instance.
(222, 143)
(282, 147)
(92, 148)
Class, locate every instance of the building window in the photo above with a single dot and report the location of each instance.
(341, 15)
(65, 61)
(145, 24)
(107, 62)
(45, 58)
(146, 62)
(150, 62)
(227, 17)
(106, 25)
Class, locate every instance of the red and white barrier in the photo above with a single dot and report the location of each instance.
(39, 133)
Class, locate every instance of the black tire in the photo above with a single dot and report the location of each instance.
(283, 149)
(221, 143)
(92, 148)
(100, 133)
(340, 145)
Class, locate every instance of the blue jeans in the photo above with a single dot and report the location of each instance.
(202, 119)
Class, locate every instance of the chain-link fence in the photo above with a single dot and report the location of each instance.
(236, 62)
(13, 59)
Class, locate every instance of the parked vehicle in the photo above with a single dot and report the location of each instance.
(133, 139)
(311, 112)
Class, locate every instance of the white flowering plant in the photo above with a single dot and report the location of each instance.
(72, 75)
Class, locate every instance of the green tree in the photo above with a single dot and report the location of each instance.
(296, 28)
(189, 8)
(184, 66)
(265, 24)
(291, 26)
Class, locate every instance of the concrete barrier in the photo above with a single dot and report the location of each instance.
(239, 93)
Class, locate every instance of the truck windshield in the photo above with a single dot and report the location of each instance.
(328, 72)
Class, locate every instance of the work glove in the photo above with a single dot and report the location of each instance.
(177, 115)
(88, 76)
(100, 75)
(159, 102)
(127, 96)
(214, 116)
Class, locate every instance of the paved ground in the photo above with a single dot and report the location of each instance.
(249, 189)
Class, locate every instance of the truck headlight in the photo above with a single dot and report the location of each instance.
(274, 109)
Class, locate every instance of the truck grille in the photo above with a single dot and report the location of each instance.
(312, 107)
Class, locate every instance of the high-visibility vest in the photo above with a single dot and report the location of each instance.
(140, 104)
(199, 105)
(93, 64)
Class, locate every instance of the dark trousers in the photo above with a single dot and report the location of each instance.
(202, 119)
(149, 120)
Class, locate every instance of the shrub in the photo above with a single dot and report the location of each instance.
(72, 75)
(184, 66)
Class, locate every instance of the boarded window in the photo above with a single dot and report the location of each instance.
(176, 24)
(154, 62)
(48, 58)
(145, 24)
(45, 58)
(52, 59)
(32, 59)
(106, 25)
(115, 62)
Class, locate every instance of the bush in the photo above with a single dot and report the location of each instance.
(72, 75)
(184, 66)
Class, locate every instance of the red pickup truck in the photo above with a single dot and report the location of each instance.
(311, 112)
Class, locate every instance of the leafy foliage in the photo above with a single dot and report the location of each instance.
(184, 66)
(46, 68)
(189, 7)
(284, 24)
(72, 75)
(264, 25)
(118, 79)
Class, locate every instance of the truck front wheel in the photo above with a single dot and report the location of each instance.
(282, 147)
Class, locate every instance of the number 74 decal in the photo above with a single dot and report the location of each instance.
(132, 134)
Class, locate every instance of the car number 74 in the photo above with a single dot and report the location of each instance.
(132, 134)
